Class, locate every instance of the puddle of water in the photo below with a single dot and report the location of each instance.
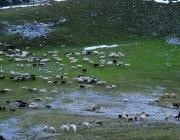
(9, 130)
(113, 106)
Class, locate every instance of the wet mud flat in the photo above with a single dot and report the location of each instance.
(75, 102)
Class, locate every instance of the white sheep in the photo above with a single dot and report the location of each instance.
(7, 89)
(127, 65)
(168, 116)
(24, 87)
(173, 95)
(53, 91)
(79, 66)
(125, 100)
(143, 117)
(86, 124)
(45, 129)
(33, 106)
(50, 82)
(73, 127)
(1, 52)
(48, 98)
(166, 95)
(42, 90)
(146, 114)
(152, 101)
(64, 128)
(101, 82)
(130, 119)
(52, 129)
(73, 67)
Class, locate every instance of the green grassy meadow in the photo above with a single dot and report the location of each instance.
(153, 64)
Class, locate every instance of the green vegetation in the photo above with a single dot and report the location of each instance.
(131, 24)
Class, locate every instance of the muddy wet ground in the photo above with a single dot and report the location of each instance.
(75, 103)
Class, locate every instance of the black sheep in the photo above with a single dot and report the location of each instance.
(84, 70)
(2, 77)
(3, 91)
(96, 65)
(99, 122)
(178, 116)
(82, 86)
(2, 138)
(48, 106)
(63, 82)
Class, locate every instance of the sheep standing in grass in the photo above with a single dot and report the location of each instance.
(86, 124)
(98, 122)
(64, 128)
(173, 95)
(123, 116)
(130, 119)
(73, 127)
(52, 129)
(53, 91)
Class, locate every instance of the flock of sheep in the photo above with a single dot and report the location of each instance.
(29, 59)
(68, 127)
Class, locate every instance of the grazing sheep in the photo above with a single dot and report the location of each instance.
(42, 90)
(2, 138)
(98, 122)
(12, 109)
(178, 116)
(127, 65)
(45, 129)
(101, 82)
(176, 105)
(152, 101)
(64, 128)
(79, 66)
(95, 107)
(137, 114)
(82, 86)
(48, 98)
(50, 82)
(73, 127)
(8, 102)
(125, 100)
(48, 106)
(130, 119)
(173, 95)
(86, 124)
(168, 116)
(23, 105)
(2, 77)
(161, 95)
(146, 114)
(143, 117)
(52, 129)
(33, 106)
(7, 89)
(123, 116)
(53, 91)
(73, 67)
(84, 70)
(38, 99)
(166, 95)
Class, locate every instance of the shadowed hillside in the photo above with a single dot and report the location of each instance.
(91, 22)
